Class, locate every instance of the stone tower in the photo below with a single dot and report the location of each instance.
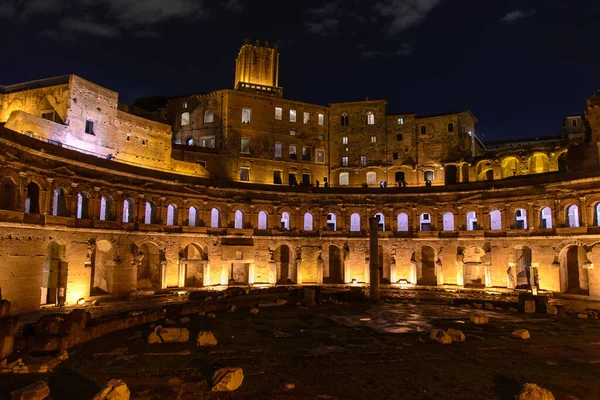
(257, 68)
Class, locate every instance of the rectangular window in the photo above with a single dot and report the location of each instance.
(89, 127)
(278, 150)
(428, 175)
(292, 133)
(292, 152)
(292, 179)
(277, 177)
(184, 104)
(246, 115)
(373, 139)
(244, 174)
(306, 153)
(49, 115)
(345, 140)
(574, 122)
(209, 116)
(400, 121)
(245, 145)
(344, 161)
(306, 179)
(363, 160)
(306, 118)
(395, 155)
(278, 113)
(207, 141)
(292, 115)
(320, 137)
(202, 163)
(321, 119)
(320, 156)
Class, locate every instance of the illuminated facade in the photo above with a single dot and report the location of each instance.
(228, 195)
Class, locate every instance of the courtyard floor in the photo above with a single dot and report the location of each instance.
(342, 351)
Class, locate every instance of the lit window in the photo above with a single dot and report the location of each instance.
(345, 140)
(320, 137)
(373, 139)
(49, 115)
(344, 161)
(184, 105)
(306, 153)
(320, 156)
(400, 121)
(244, 174)
(209, 116)
(370, 118)
(190, 141)
(306, 118)
(293, 152)
(278, 150)
(344, 178)
(371, 178)
(363, 160)
(207, 141)
(278, 113)
(292, 133)
(292, 115)
(344, 120)
(245, 145)
(185, 118)
(89, 127)
(321, 119)
(246, 115)
(428, 175)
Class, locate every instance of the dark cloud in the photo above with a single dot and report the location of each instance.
(515, 15)
(404, 14)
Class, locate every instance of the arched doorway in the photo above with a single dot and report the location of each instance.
(473, 267)
(149, 270)
(334, 273)
(450, 173)
(285, 269)
(54, 274)
(8, 194)
(192, 261)
(102, 269)
(574, 271)
(32, 202)
(426, 273)
(525, 274)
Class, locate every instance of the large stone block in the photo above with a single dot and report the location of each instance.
(115, 389)
(35, 391)
(227, 379)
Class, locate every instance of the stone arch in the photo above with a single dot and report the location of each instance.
(150, 267)
(193, 262)
(150, 212)
(574, 269)
(106, 208)
(308, 221)
(495, 220)
(403, 222)
(572, 216)
(102, 268)
(546, 218)
(485, 170)
(509, 166)
(83, 205)
(525, 276)
(450, 174)
(9, 192)
(32, 199)
(239, 219)
(538, 163)
(59, 202)
(285, 265)
(333, 271)
(127, 214)
(215, 217)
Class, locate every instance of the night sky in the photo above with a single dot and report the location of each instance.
(519, 66)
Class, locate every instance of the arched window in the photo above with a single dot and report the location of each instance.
(546, 218)
(344, 179)
(185, 118)
(355, 222)
(428, 175)
(521, 219)
(189, 141)
(127, 211)
(238, 222)
(344, 120)
(105, 208)
(193, 216)
(448, 221)
(59, 204)
(150, 213)
(597, 214)
(496, 220)
(32, 202)
(171, 215)
(370, 118)
(402, 222)
(423, 129)
(262, 220)
(425, 222)
(381, 225)
(209, 116)
(331, 222)
(471, 221)
(308, 222)
(285, 220)
(82, 206)
(572, 216)
(450, 127)
(399, 137)
(214, 218)
(371, 178)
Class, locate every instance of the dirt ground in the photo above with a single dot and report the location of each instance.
(342, 351)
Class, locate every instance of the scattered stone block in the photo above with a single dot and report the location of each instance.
(254, 311)
(168, 335)
(211, 316)
(153, 338)
(438, 335)
(521, 333)
(227, 379)
(169, 322)
(202, 314)
(456, 335)
(532, 391)
(184, 320)
(206, 339)
(582, 316)
(463, 306)
(552, 310)
(512, 309)
(232, 309)
(115, 389)
(478, 305)
(290, 386)
(529, 306)
(479, 319)
(35, 391)
(281, 302)
(489, 306)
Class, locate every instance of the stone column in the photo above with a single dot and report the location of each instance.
(373, 259)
